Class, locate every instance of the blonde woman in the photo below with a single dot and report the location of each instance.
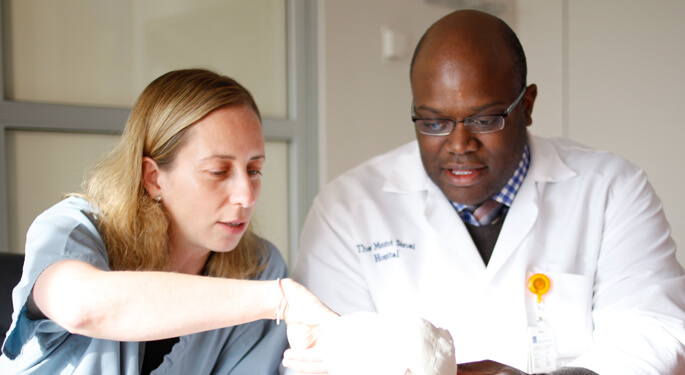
(116, 279)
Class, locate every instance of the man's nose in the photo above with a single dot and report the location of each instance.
(461, 140)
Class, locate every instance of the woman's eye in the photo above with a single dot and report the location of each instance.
(254, 172)
(218, 172)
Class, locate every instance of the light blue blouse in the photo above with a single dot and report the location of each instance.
(67, 231)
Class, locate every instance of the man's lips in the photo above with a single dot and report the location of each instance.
(464, 175)
(461, 172)
(462, 165)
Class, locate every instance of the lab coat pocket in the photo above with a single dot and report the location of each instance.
(567, 310)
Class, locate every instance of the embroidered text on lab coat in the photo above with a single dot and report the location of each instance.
(384, 250)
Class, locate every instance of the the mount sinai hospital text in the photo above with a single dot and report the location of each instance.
(384, 250)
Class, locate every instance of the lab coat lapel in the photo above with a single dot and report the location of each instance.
(409, 177)
(546, 166)
(517, 224)
(441, 216)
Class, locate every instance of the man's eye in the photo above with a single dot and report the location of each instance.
(481, 120)
(254, 172)
(434, 124)
(218, 172)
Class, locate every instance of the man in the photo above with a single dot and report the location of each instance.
(454, 226)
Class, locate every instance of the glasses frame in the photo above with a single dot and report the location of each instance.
(454, 123)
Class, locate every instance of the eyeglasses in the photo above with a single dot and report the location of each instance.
(474, 124)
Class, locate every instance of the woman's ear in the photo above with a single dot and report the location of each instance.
(151, 177)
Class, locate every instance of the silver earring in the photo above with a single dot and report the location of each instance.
(158, 199)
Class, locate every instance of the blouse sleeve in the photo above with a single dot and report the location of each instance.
(65, 231)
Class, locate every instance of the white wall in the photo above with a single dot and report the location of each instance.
(609, 75)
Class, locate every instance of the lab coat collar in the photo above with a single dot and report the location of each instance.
(407, 175)
(546, 164)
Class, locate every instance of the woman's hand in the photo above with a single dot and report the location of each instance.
(305, 315)
(305, 361)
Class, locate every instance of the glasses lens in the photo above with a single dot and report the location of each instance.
(484, 124)
(434, 126)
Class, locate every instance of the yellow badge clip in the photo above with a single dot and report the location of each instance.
(539, 285)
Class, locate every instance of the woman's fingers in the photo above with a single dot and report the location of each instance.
(304, 361)
(303, 336)
(305, 317)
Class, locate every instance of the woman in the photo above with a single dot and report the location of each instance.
(115, 279)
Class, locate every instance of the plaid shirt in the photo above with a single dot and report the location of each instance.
(505, 196)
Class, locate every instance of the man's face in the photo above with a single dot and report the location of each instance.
(470, 168)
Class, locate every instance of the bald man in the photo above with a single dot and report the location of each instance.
(537, 255)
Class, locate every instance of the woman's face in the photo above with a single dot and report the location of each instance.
(211, 188)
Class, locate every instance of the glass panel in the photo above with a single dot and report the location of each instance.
(271, 215)
(41, 168)
(101, 52)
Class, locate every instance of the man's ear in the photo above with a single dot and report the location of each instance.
(151, 177)
(529, 101)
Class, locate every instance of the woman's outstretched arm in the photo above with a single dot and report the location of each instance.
(144, 306)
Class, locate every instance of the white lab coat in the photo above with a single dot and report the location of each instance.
(384, 238)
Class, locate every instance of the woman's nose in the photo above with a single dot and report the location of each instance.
(244, 191)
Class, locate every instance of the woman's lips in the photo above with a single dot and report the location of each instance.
(234, 227)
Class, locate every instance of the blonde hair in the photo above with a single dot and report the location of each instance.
(134, 227)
